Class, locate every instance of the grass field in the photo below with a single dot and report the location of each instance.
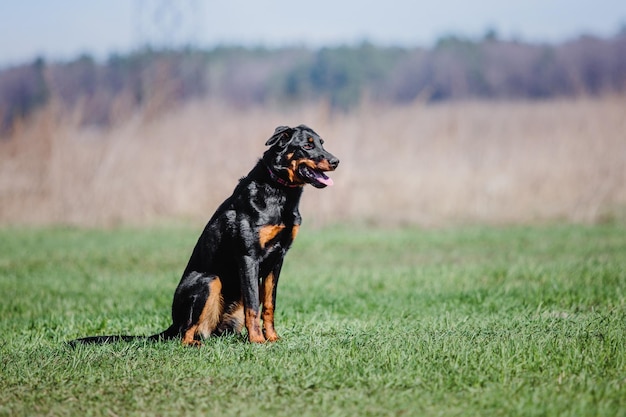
(469, 321)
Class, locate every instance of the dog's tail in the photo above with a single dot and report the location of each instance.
(167, 334)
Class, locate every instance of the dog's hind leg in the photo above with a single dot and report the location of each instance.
(232, 319)
(197, 307)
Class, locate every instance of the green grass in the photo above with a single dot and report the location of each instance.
(471, 321)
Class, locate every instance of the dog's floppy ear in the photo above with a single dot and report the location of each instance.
(282, 135)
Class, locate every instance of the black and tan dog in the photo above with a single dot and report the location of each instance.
(235, 266)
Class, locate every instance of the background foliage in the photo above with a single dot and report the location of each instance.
(455, 68)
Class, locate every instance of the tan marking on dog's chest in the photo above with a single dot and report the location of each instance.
(269, 232)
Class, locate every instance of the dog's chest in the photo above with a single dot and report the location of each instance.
(273, 234)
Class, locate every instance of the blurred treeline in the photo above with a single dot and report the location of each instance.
(99, 93)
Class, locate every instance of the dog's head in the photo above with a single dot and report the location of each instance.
(297, 157)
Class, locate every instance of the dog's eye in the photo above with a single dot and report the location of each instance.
(308, 146)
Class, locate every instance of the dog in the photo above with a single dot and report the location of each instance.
(234, 267)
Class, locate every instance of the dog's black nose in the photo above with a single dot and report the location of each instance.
(333, 162)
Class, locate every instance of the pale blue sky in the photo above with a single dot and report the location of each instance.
(61, 29)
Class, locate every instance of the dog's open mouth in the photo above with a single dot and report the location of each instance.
(314, 177)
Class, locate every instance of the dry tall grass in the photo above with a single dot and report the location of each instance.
(430, 165)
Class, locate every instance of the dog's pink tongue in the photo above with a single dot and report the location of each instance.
(321, 177)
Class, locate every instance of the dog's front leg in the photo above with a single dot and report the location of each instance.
(249, 277)
(268, 298)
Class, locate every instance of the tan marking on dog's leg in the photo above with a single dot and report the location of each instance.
(237, 316)
(232, 320)
(212, 310)
(253, 319)
(267, 299)
(189, 337)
